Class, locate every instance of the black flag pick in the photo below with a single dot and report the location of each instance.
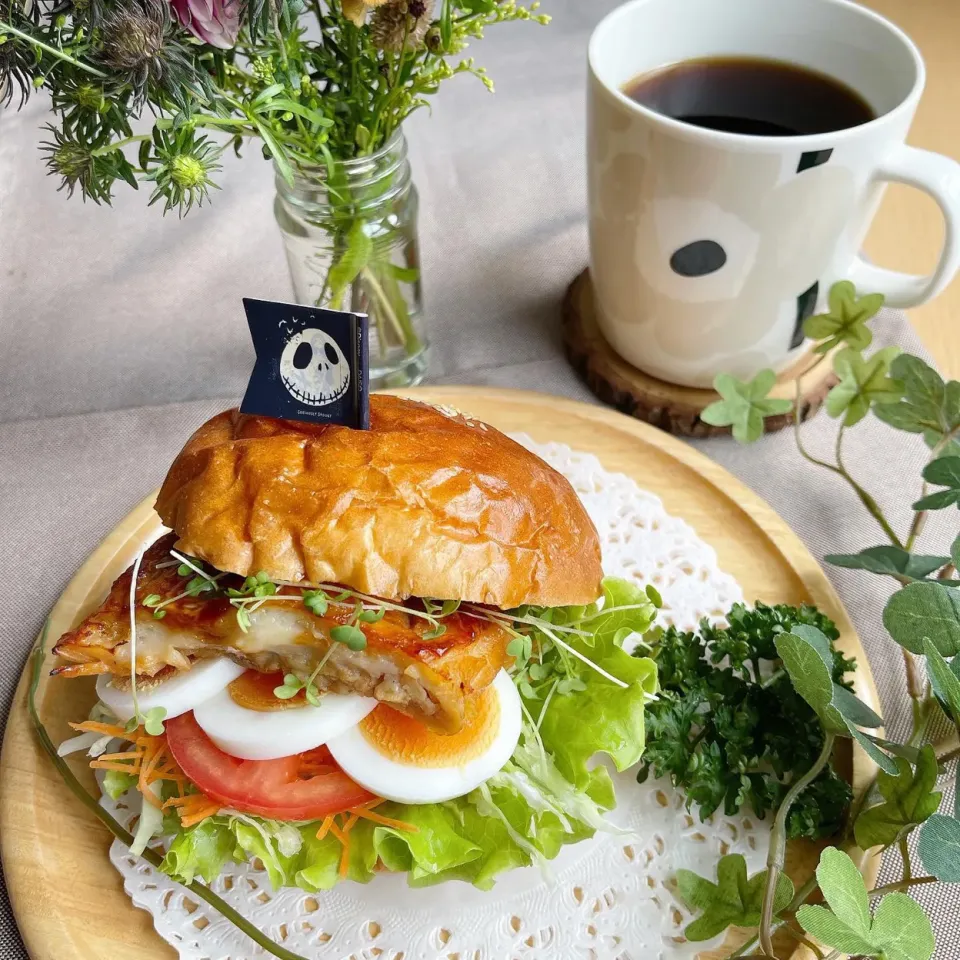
(312, 364)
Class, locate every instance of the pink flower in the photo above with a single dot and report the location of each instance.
(216, 22)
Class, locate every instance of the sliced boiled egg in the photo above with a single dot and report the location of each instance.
(247, 721)
(179, 693)
(397, 757)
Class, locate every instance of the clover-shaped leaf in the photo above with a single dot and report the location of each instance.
(909, 799)
(929, 406)
(862, 383)
(846, 319)
(898, 930)
(733, 900)
(745, 405)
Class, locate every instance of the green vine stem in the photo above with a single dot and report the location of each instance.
(900, 886)
(920, 518)
(776, 855)
(53, 51)
(199, 890)
(841, 471)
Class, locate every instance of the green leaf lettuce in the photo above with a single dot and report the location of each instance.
(549, 794)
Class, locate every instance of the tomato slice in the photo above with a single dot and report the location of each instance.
(269, 788)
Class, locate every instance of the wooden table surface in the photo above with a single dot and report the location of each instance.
(908, 230)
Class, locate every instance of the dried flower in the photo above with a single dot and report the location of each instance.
(15, 60)
(93, 169)
(137, 40)
(132, 38)
(356, 10)
(216, 22)
(395, 22)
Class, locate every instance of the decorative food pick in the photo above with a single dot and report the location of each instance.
(312, 364)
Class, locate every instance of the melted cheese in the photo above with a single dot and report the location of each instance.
(276, 625)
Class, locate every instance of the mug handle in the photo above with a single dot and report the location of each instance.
(939, 176)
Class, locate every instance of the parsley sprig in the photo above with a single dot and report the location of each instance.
(728, 726)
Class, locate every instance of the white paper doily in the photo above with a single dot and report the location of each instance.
(608, 898)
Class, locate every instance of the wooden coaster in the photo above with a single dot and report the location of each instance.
(668, 406)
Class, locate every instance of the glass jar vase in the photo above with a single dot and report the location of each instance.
(350, 233)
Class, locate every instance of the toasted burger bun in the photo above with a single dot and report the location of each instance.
(426, 503)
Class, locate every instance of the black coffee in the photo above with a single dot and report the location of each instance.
(763, 98)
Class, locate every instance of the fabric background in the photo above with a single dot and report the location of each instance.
(122, 330)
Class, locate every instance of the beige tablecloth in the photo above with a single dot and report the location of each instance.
(121, 331)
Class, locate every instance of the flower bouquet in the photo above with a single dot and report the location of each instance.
(324, 86)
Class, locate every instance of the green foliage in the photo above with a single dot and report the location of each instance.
(939, 847)
(944, 472)
(945, 680)
(899, 930)
(846, 319)
(925, 611)
(863, 382)
(730, 731)
(908, 800)
(356, 257)
(807, 660)
(309, 84)
(744, 405)
(807, 657)
(733, 901)
(889, 560)
(928, 406)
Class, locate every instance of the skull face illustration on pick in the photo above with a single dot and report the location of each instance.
(313, 368)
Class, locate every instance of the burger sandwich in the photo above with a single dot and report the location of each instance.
(362, 650)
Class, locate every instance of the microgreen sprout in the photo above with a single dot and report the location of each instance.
(132, 604)
(349, 636)
(316, 602)
(187, 566)
(153, 721)
(292, 685)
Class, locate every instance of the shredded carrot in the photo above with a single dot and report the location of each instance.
(324, 827)
(365, 813)
(344, 838)
(193, 808)
(91, 726)
(152, 756)
(119, 766)
(126, 755)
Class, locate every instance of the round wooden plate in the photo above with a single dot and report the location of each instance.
(67, 897)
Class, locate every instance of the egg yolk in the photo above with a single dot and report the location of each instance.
(406, 740)
(254, 691)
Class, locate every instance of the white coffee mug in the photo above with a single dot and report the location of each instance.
(785, 216)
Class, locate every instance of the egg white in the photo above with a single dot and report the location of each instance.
(270, 734)
(182, 692)
(407, 782)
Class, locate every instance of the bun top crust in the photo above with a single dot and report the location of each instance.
(426, 503)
